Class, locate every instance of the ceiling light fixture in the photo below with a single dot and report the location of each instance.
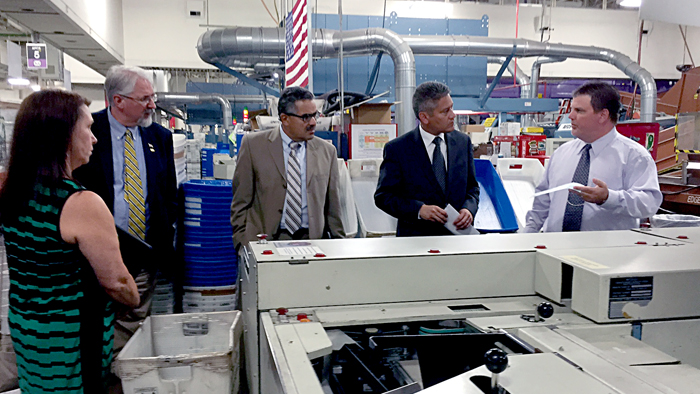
(631, 3)
(18, 81)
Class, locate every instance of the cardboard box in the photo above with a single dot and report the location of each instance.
(477, 132)
(472, 128)
(252, 116)
(371, 113)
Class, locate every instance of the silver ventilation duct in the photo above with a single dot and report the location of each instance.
(246, 98)
(255, 44)
(535, 74)
(485, 46)
(174, 99)
(260, 44)
(530, 119)
(514, 70)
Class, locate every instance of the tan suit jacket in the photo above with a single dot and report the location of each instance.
(260, 183)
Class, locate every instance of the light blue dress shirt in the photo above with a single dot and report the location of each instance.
(624, 165)
(118, 134)
(301, 155)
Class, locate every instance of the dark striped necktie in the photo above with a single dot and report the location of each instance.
(574, 204)
(292, 215)
(439, 164)
(133, 191)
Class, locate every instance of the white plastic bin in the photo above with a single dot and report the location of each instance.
(364, 174)
(675, 221)
(185, 353)
(348, 212)
(520, 178)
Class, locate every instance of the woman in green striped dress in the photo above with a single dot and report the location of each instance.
(62, 251)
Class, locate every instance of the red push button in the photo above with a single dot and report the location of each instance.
(682, 237)
(433, 251)
(540, 247)
(267, 252)
(641, 243)
(302, 316)
(282, 311)
(319, 255)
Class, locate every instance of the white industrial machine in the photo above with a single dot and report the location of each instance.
(587, 312)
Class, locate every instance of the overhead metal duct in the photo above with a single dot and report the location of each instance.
(255, 44)
(530, 119)
(535, 74)
(514, 70)
(175, 99)
(485, 46)
(259, 44)
(246, 98)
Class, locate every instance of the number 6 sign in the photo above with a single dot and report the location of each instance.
(36, 56)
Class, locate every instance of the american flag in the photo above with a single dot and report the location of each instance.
(297, 47)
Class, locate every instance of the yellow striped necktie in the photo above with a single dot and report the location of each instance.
(133, 191)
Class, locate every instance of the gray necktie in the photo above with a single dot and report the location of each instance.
(292, 215)
(439, 164)
(574, 204)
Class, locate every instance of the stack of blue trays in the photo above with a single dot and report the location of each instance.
(210, 259)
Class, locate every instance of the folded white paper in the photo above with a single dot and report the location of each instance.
(452, 215)
(568, 186)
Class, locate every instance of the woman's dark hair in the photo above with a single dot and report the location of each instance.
(40, 140)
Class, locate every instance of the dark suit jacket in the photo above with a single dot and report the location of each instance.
(407, 182)
(98, 176)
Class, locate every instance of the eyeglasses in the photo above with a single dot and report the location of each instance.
(306, 118)
(143, 100)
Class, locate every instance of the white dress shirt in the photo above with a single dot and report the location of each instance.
(430, 146)
(624, 165)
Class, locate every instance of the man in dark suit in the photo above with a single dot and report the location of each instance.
(428, 168)
(133, 170)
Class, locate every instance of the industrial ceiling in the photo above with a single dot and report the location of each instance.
(57, 29)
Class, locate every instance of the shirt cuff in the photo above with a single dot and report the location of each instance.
(613, 199)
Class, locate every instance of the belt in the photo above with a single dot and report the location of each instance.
(299, 234)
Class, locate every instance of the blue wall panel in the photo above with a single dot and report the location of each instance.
(466, 76)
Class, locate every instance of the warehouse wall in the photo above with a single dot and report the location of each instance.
(159, 33)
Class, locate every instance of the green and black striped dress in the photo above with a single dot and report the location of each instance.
(61, 319)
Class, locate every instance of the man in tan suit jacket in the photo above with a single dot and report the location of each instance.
(265, 198)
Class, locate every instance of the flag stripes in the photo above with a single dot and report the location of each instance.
(296, 59)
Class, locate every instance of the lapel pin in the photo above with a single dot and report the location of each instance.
(150, 146)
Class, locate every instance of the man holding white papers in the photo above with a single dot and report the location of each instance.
(621, 183)
(429, 168)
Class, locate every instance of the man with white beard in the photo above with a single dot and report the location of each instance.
(132, 169)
